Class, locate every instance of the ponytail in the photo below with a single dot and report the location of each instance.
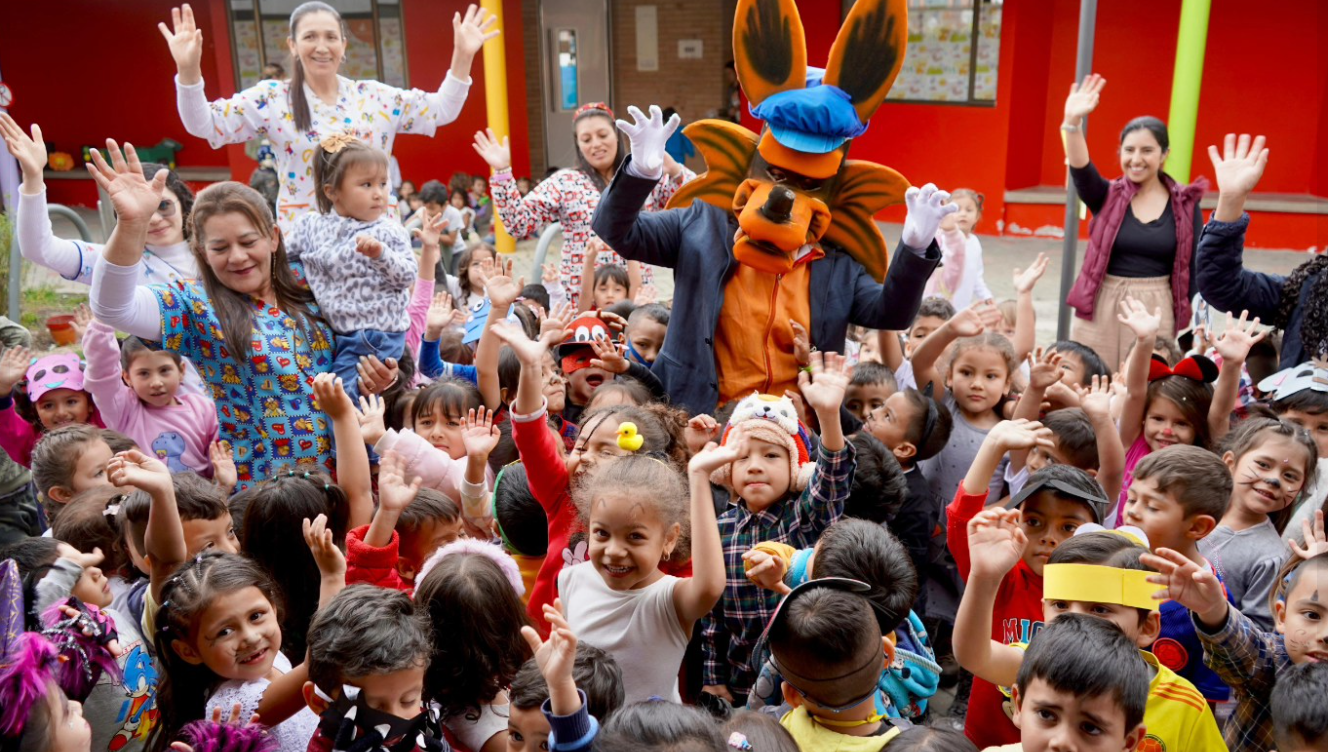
(299, 103)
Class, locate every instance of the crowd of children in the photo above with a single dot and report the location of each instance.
(475, 519)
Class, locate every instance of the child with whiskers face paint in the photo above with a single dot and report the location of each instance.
(1272, 462)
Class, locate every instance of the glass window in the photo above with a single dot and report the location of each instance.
(375, 47)
(943, 64)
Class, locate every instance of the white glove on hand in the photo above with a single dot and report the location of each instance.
(926, 207)
(648, 136)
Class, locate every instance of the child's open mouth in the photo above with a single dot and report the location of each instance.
(254, 658)
(594, 381)
(613, 571)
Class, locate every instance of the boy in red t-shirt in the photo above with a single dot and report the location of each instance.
(1056, 500)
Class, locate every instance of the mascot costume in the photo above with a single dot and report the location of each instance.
(779, 229)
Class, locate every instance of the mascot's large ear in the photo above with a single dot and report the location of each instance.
(769, 48)
(868, 53)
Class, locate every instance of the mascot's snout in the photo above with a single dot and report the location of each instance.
(775, 221)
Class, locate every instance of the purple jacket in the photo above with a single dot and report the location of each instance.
(1106, 222)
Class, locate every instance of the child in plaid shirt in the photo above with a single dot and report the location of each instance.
(1248, 659)
(782, 497)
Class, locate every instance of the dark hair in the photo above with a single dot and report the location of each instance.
(1198, 480)
(1249, 434)
(1103, 549)
(117, 441)
(182, 687)
(132, 347)
(871, 373)
(55, 458)
(659, 726)
(653, 311)
(828, 632)
(879, 487)
(1290, 575)
(537, 294)
(175, 185)
(582, 164)
(762, 731)
(661, 426)
(1299, 717)
(1088, 657)
(634, 391)
(1075, 437)
(935, 307)
(195, 498)
(626, 477)
(1093, 363)
(520, 517)
(1308, 401)
(366, 631)
(623, 308)
(865, 551)
(930, 445)
(235, 311)
(1192, 397)
(455, 397)
(476, 619)
(1150, 124)
(464, 261)
(612, 273)
(274, 538)
(35, 557)
(1073, 477)
(428, 505)
(595, 672)
(85, 524)
(330, 168)
(1313, 307)
(434, 192)
(396, 414)
(931, 739)
(299, 104)
(509, 372)
(452, 349)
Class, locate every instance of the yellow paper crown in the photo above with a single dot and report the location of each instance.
(1092, 583)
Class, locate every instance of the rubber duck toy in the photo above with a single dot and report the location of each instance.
(628, 439)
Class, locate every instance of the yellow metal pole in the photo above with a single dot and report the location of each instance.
(495, 101)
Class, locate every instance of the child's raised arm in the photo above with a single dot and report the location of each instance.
(163, 543)
(530, 389)
(823, 385)
(394, 495)
(1144, 325)
(503, 292)
(556, 657)
(480, 438)
(1096, 404)
(1234, 346)
(1194, 587)
(995, 544)
(224, 473)
(1043, 371)
(353, 473)
(966, 323)
(1025, 323)
(694, 597)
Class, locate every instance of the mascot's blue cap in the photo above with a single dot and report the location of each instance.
(816, 120)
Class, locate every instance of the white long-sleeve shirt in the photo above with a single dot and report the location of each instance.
(373, 111)
(74, 259)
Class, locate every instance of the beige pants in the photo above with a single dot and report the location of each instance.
(1105, 334)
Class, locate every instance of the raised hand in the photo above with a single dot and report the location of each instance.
(1239, 336)
(370, 416)
(13, 367)
(394, 494)
(1135, 315)
(1096, 399)
(555, 656)
(134, 468)
(967, 322)
(480, 436)
(186, 43)
(551, 274)
(471, 32)
(713, 456)
(331, 396)
(135, 198)
(441, 315)
(30, 151)
(558, 319)
(1044, 369)
(1241, 164)
(1315, 541)
(1083, 98)
(927, 206)
(528, 351)
(609, 356)
(648, 136)
(700, 430)
(503, 292)
(802, 344)
(318, 537)
(497, 153)
(1020, 434)
(824, 385)
(82, 318)
(367, 246)
(766, 571)
(432, 228)
(224, 472)
(1025, 279)
(1192, 586)
(996, 542)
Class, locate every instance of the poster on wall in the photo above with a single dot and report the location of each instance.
(940, 53)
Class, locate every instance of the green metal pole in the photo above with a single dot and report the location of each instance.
(1190, 44)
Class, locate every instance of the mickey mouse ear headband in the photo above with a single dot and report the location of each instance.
(1195, 367)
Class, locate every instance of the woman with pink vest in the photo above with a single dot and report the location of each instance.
(1142, 235)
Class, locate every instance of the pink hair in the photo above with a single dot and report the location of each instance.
(26, 679)
(206, 736)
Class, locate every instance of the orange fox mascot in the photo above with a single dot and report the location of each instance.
(780, 228)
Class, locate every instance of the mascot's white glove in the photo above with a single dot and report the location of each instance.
(926, 207)
(648, 136)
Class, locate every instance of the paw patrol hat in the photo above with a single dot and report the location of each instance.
(772, 419)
